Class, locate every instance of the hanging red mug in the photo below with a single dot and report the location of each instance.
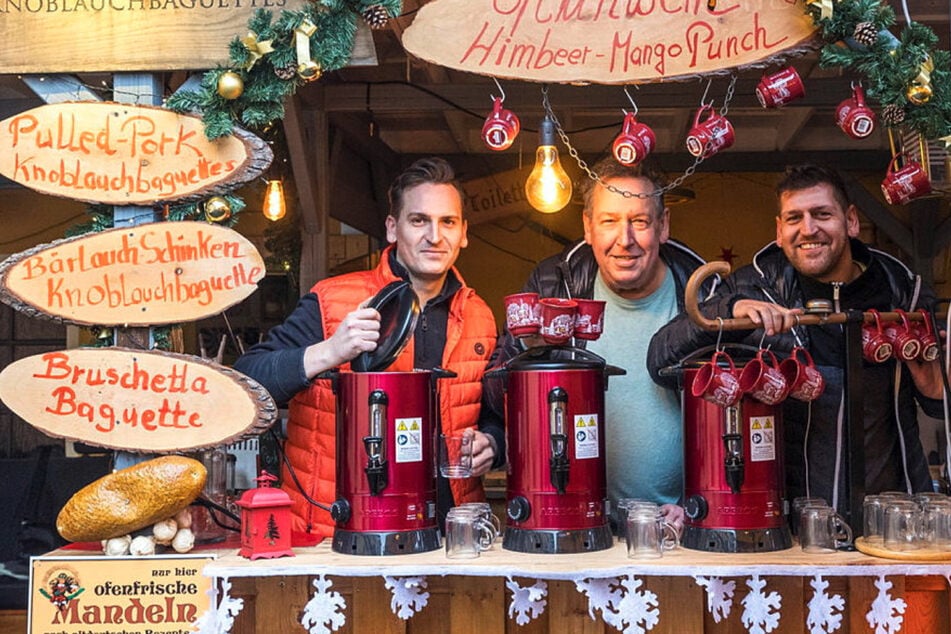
(855, 118)
(500, 127)
(903, 185)
(713, 134)
(778, 89)
(930, 348)
(635, 141)
(875, 346)
(906, 346)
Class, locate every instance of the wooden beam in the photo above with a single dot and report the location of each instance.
(882, 217)
(300, 148)
(793, 121)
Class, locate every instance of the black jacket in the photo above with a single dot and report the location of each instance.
(893, 460)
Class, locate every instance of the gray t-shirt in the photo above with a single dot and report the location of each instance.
(643, 428)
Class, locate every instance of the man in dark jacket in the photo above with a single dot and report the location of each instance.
(627, 260)
(816, 256)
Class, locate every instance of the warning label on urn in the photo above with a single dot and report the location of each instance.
(762, 438)
(586, 436)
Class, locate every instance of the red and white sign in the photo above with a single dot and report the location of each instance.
(135, 400)
(606, 42)
(122, 154)
(159, 273)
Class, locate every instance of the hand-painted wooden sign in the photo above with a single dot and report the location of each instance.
(135, 400)
(121, 154)
(159, 273)
(606, 42)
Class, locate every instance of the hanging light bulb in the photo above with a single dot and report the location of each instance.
(548, 187)
(274, 208)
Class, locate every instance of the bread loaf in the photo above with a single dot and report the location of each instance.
(130, 499)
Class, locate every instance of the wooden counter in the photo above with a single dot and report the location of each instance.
(351, 594)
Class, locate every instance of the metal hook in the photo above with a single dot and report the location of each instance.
(631, 99)
(705, 91)
(762, 339)
(852, 84)
(499, 86)
(719, 334)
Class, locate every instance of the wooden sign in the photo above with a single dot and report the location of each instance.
(135, 400)
(606, 42)
(495, 196)
(121, 154)
(81, 594)
(158, 273)
(60, 36)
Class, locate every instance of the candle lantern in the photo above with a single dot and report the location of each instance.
(265, 521)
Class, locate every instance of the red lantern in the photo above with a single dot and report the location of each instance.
(265, 521)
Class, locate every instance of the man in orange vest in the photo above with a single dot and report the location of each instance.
(331, 326)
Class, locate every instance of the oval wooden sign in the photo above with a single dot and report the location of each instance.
(158, 273)
(121, 154)
(135, 400)
(606, 42)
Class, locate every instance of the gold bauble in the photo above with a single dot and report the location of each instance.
(230, 85)
(309, 70)
(919, 94)
(217, 209)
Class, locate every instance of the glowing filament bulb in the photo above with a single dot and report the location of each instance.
(274, 208)
(548, 187)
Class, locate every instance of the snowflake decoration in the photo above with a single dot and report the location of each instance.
(825, 612)
(760, 611)
(600, 592)
(408, 595)
(885, 615)
(622, 604)
(324, 612)
(221, 619)
(719, 596)
(528, 603)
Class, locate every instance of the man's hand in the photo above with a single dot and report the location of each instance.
(927, 377)
(483, 452)
(674, 513)
(358, 332)
(772, 317)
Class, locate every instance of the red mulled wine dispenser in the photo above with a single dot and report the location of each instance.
(387, 423)
(557, 485)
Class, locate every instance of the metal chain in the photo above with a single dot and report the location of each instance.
(677, 182)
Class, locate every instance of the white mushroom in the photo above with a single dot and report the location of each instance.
(164, 531)
(142, 545)
(117, 546)
(184, 540)
(184, 518)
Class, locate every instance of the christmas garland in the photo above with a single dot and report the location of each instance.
(907, 74)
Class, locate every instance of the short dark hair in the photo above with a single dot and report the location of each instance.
(799, 177)
(432, 170)
(609, 168)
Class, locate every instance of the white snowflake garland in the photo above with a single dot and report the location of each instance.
(760, 611)
(528, 602)
(623, 604)
(220, 619)
(409, 596)
(885, 615)
(324, 613)
(825, 611)
(719, 596)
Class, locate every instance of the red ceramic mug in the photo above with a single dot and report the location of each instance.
(875, 346)
(522, 314)
(716, 381)
(500, 127)
(558, 319)
(635, 141)
(805, 382)
(905, 184)
(711, 135)
(589, 319)
(906, 346)
(930, 348)
(855, 118)
(778, 89)
(762, 379)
